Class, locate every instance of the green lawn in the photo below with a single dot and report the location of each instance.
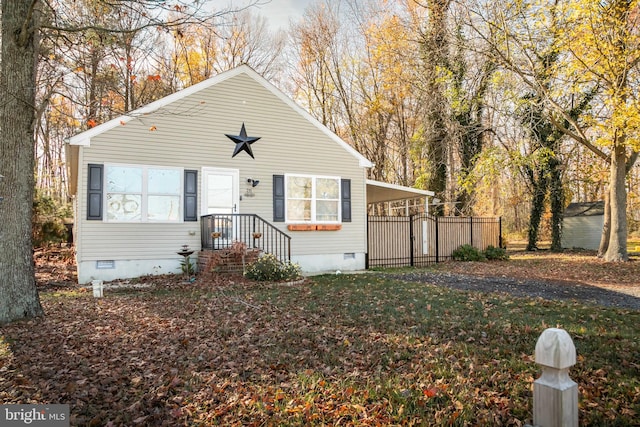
(339, 350)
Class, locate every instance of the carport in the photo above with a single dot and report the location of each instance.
(382, 192)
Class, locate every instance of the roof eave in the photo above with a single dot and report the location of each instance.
(84, 138)
(397, 192)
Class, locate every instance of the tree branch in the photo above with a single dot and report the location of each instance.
(631, 160)
(26, 25)
(578, 137)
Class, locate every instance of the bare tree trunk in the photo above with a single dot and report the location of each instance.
(18, 292)
(617, 250)
(556, 194)
(606, 227)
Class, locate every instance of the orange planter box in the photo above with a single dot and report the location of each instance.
(329, 227)
(301, 227)
(314, 227)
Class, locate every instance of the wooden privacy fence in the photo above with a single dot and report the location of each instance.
(419, 240)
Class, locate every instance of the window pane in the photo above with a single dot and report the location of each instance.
(298, 187)
(124, 207)
(163, 208)
(165, 181)
(327, 188)
(121, 179)
(299, 210)
(219, 193)
(326, 210)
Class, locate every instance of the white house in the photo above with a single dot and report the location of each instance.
(232, 145)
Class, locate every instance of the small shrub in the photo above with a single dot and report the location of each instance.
(271, 269)
(467, 253)
(493, 253)
(187, 267)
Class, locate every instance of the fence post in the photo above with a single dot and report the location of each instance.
(555, 395)
(411, 238)
(437, 240)
(366, 255)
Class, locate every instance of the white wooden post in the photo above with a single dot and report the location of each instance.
(98, 288)
(555, 395)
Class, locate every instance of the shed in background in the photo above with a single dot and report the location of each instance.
(582, 225)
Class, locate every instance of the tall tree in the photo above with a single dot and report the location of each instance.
(604, 43)
(469, 85)
(547, 176)
(20, 21)
(248, 40)
(324, 72)
(389, 114)
(599, 48)
(435, 51)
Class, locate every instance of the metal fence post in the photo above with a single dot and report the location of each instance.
(366, 255)
(555, 395)
(411, 238)
(437, 241)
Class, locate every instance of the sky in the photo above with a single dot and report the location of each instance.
(280, 12)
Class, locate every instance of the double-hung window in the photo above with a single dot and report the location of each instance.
(143, 193)
(313, 199)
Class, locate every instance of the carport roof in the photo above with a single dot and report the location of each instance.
(378, 191)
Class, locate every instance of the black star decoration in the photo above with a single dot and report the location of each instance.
(243, 142)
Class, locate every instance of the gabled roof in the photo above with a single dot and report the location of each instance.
(584, 209)
(84, 138)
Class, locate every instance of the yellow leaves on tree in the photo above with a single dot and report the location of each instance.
(195, 51)
(603, 46)
(390, 61)
(603, 40)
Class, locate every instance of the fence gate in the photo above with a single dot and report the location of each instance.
(419, 240)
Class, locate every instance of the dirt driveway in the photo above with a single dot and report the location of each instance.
(577, 275)
(530, 288)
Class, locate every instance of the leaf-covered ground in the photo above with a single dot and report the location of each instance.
(334, 350)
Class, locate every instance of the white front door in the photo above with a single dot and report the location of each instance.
(220, 191)
(221, 195)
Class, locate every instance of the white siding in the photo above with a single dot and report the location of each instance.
(582, 232)
(190, 133)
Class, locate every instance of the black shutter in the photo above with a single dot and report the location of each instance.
(278, 198)
(191, 195)
(345, 185)
(94, 192)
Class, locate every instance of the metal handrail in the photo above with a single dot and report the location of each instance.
(219, 231)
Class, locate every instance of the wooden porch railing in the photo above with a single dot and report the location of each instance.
(218, 231)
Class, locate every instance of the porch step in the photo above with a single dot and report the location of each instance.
(221, 261)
